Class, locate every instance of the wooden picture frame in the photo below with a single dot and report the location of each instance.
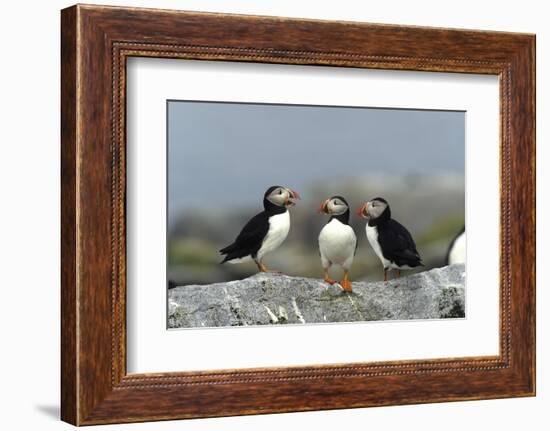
(95, 43)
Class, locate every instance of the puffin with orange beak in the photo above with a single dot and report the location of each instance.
(390, 240)
(337, 240)
(265, 231)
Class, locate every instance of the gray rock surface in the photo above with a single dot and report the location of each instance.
(280, 299)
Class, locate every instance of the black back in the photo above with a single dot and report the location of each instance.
(397, 244)
(250, 239)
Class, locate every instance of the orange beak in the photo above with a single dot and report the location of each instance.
(362, 212)
(292, 195)
(323, 207)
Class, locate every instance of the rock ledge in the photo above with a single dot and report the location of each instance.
(280, 299)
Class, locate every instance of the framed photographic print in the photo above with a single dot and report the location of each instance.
(265, 215)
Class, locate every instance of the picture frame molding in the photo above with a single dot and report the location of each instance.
(96, 41)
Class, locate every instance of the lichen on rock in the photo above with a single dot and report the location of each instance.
(277, 299)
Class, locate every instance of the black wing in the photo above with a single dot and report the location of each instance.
(249, 240)
(397, 244)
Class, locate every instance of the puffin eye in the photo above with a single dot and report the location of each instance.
(280, 192)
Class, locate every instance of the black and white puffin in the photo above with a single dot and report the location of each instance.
(390, 240)
(265, 231)
(337, 240)
(457, 249)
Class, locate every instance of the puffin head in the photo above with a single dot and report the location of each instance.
(335, 205)
(374, 209)
(281, 196)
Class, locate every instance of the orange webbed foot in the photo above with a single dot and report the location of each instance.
(346, 285)
(263, 268)
(329, 280)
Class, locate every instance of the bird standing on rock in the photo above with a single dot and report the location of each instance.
(390, 240)
(265, 231)
(337, 240)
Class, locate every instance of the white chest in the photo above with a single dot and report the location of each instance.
(458, 251)
(337, 242)
(372, 236)
(279, 225)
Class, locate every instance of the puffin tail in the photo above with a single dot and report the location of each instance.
(227, 252)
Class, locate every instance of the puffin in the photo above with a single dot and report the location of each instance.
(337, 240)
(265, 231)
(390, 240)
(457, 249)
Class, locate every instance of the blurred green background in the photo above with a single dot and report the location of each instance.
(223, 156)
(432, 208)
